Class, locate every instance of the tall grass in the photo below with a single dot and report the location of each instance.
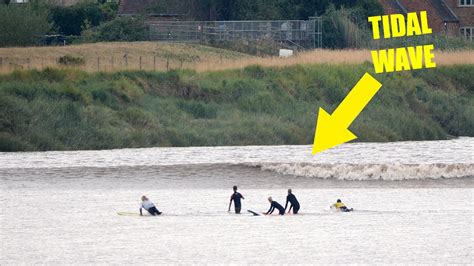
(69, 109)
(113, 57)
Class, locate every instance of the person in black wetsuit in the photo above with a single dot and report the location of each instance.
(236, 196)
(291, 198)
(275, 205)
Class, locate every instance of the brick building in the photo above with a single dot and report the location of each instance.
(448, 17)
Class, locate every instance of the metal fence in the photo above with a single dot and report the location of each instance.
(93, 64)
(301, 33)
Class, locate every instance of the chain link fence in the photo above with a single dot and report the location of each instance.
(297, 33)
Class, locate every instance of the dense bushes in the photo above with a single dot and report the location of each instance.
(121, 29)
(68, 109)
(71, 20)
(22, 25)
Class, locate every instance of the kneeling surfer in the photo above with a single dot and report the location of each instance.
(275, 205)
(340, 206)
(149, 206)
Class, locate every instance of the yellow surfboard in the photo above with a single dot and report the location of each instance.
(128, 213)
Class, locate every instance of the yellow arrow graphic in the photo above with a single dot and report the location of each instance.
(331, 130)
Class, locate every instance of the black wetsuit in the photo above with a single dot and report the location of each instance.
(294, 203)
(275, 205)
(154, 211)
(236, 197)
(345, 209)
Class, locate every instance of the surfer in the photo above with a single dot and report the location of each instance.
(341, 206)
(291, 198)
(236, 196)
(149, 206)
(275, 205)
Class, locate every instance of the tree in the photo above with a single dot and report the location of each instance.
(22, 25)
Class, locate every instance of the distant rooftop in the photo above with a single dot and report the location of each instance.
(134, 7)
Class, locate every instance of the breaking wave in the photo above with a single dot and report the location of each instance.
(345, 171)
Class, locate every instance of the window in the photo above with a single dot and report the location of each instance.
(467, 33)
(466, 2)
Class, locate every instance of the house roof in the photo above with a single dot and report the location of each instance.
(134, 7)
(444, 11)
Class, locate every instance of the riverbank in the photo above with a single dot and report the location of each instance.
(70, 109)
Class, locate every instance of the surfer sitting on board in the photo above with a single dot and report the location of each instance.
(291, 198)
(274, 205)
(149, 206)
(340, 206)
(236, 196)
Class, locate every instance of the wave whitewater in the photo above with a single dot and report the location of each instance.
(360, 172)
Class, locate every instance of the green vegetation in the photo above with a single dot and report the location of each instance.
(22, 25)
(72, 20)
(69, 109)
(120, 29)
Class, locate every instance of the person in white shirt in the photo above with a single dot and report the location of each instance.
(148, 206)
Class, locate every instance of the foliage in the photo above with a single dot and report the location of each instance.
(22, 25)
(70, 19)
(122, 29)
(69, 60)
(69, 109)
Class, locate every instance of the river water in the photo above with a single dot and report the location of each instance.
(413, 203)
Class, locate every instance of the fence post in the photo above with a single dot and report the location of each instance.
(140, 63)
(98, 64)
(181, 63)
(1, 62)
(112, 63)
(28, 63)
(126, 62)
(167, 63)
(154, 63)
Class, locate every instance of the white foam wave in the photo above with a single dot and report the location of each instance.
(345, 171)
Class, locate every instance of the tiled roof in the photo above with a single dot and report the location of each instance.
(133, 7)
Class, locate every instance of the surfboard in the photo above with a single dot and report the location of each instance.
(254, 213)
(128, 213)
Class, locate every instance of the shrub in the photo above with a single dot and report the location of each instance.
(71, 20)
(22, 25)
(122, 29)
(70, 60)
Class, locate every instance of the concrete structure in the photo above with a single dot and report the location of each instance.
(448, 17)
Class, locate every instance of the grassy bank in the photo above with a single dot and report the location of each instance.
(161, 56)
(69, 109)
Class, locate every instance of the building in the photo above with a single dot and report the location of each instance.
(146, 7)
(133, 7)
(447, 17)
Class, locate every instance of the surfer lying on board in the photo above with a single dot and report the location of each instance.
(291, 198)
(274, 205)
(149, 206)
(236, 196)
(340, 206)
